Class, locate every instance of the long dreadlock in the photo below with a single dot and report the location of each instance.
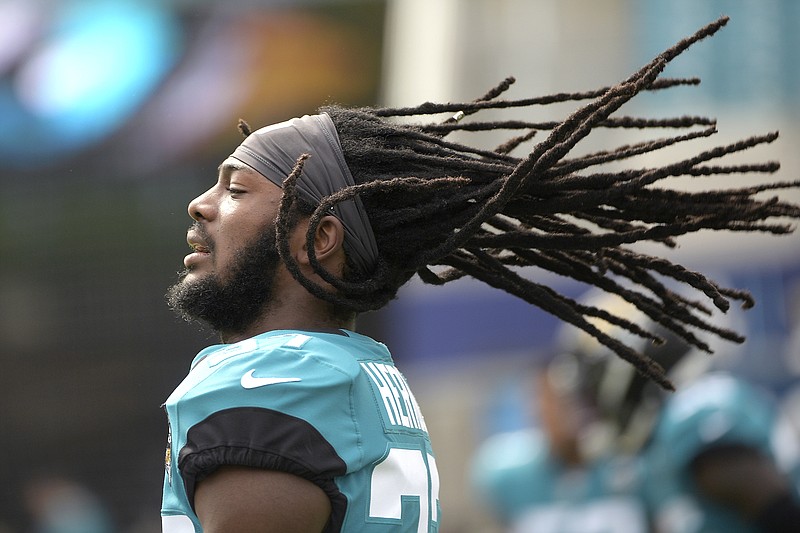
(443, 210)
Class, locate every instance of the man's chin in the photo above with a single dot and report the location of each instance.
(202, 299)
(184, 297)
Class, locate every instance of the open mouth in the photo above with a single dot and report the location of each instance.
(199, 252)
(199, 248)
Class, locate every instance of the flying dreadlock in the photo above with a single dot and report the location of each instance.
(443, 210)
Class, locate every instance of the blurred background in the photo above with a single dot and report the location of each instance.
(115, 113)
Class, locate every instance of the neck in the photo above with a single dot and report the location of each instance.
(231, 338)
(292, 307)
(294, 319)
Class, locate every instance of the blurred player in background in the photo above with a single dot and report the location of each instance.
(615, 453)
(561, 474)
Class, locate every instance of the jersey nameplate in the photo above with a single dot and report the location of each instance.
(391, 387)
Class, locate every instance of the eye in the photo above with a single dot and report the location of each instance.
(235, 190)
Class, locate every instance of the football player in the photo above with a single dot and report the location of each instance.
(295, 422)
(716, 455)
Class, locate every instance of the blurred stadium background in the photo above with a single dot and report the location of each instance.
(115, 113)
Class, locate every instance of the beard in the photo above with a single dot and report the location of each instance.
(231, 305)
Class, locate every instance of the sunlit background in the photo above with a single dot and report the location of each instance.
(114, 114)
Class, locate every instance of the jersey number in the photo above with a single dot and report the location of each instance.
(405, 474)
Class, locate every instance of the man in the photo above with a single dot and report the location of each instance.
(562, 473)
(297, 423)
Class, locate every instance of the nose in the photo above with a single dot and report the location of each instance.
(201, 207)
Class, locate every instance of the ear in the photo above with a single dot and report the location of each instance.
(328, 242)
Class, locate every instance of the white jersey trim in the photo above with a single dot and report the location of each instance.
(177, 524)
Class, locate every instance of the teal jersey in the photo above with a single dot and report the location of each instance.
(331, 408)
(528, 489)
(716, 410)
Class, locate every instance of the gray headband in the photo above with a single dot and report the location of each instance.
(273, 151)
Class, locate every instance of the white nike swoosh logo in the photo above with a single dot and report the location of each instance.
(249, 381)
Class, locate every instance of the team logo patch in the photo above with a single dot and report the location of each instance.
(168, 455)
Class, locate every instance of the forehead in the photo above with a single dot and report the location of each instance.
(233, 168)
(231, 165)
